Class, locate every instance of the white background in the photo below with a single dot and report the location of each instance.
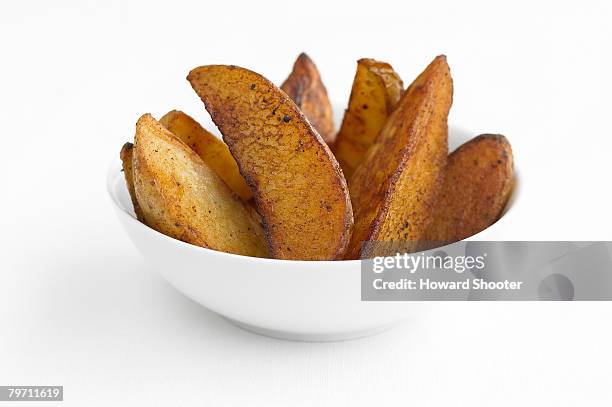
(79, 308)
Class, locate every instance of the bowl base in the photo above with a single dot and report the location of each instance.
(312, 337)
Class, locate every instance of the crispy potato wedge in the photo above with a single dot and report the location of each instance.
(395, 188)
(477, 184)
(182, 197)
(297, 184)
(375, 93)
(127, 152)
(305, 88)
(211, 150)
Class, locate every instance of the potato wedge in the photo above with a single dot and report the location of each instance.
(395, 188)
(305, 88)
(211, 150)
(477, 184)
(182, 197)
(375, 93)
(297, 184)
(126, 155)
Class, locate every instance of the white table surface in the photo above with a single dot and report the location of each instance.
(78, 307)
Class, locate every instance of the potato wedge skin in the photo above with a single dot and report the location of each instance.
(297, 184)
(183, 198)
(211, 150)
(477, 184)
(126, 155)
(305, 87)
(395, 188)
(375, 93)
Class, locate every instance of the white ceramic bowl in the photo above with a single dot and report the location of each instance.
(299, 300)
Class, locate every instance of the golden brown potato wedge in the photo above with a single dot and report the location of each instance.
(477, 184)
(395, 188)
(211, 150)
(182, 197)
(375, 93)
(305, 88)
(127, 152)
(297, 184)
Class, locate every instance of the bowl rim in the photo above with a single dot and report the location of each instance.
(115, 170)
